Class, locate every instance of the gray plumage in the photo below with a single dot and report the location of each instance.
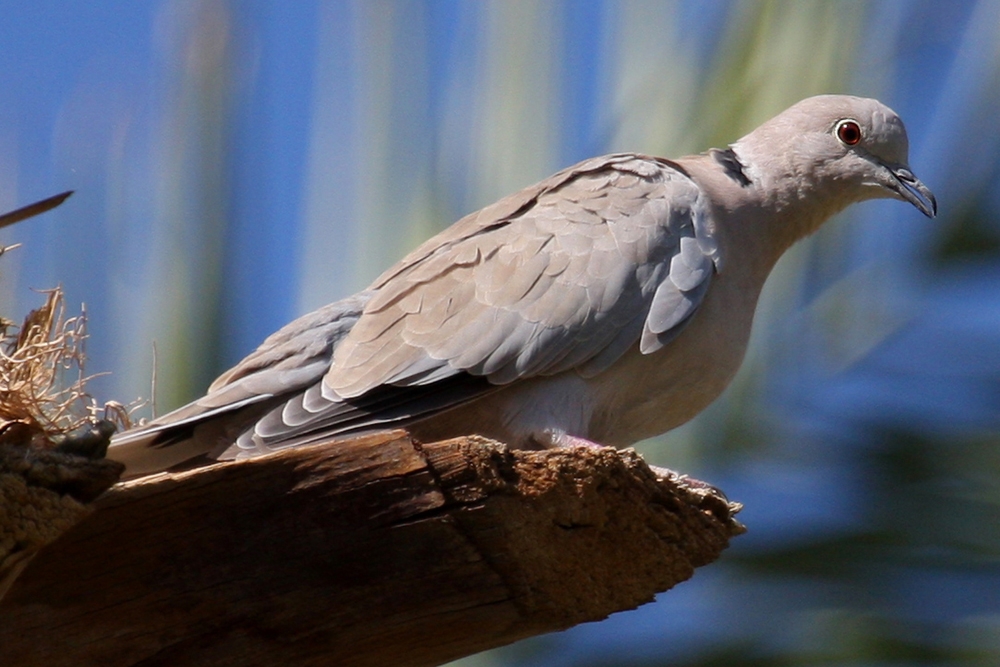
(611, 302)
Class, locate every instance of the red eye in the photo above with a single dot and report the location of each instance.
(849, 132)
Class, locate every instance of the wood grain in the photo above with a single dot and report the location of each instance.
(378, 551)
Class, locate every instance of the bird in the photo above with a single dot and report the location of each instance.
(608, 303)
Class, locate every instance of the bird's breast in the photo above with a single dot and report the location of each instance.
(644, 395)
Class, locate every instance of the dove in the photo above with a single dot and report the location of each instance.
(606, 304)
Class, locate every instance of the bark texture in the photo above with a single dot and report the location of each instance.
(378, 551)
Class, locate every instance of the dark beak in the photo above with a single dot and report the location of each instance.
(911, 189)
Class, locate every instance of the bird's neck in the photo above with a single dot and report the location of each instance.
(792, 192)
(764, 215)
(792, 213)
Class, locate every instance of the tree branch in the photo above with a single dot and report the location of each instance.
(376, 551)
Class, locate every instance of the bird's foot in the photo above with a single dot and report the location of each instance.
(554, 439)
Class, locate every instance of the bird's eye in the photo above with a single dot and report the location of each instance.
(849, 132)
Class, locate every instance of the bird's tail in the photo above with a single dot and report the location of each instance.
(142, 456)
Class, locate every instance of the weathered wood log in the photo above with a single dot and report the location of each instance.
(42, 493)
(378, 551)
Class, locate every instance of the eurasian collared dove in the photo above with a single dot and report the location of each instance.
(610, 302)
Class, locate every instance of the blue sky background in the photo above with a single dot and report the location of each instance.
(239, 163)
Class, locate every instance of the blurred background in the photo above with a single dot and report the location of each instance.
(238, 163)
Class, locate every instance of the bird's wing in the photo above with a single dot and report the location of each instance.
(566, 275)
(239, 406)
(293, 358)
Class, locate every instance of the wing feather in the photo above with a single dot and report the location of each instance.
(571, 273)
(566, 275)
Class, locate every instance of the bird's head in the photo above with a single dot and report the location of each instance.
(837, 149)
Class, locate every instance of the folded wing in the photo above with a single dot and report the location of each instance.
(564, 276)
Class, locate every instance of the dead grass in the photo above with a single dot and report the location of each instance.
(43, 392)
